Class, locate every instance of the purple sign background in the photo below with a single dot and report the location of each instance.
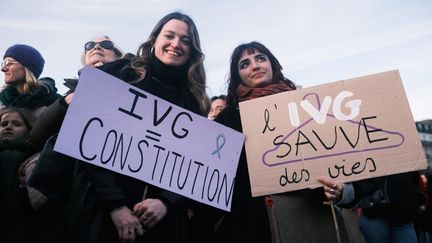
(119, 127)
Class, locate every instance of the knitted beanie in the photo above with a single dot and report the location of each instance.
(28, 57)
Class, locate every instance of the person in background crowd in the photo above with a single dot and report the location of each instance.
(22, 66)
(112, 209)
(50, 179)
(218, 103)
(100, 50)
(255, 72)
(388, 205)
(424, 221)
(96, 52)
(17, 221)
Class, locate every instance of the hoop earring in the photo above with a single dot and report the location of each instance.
(152, 50)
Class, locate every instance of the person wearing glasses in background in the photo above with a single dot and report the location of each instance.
(22, 65)
(218, 103)
(96, 52)
(100, 50)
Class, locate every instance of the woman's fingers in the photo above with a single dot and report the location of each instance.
(332, 190)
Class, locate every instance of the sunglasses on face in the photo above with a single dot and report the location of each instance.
(106, 44)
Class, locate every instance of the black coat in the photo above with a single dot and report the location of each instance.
(248, 220)
(398, 200)
(44, 95)
(11, 156)
(301, 215)
(97, 191)
(18, 222)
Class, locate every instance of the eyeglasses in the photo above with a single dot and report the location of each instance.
(106, 44)
(7, 64)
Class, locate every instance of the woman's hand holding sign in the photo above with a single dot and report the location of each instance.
(333, 191)
(68, 98)
(127, 224)
(150, 211)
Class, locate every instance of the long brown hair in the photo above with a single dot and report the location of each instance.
(196, 74)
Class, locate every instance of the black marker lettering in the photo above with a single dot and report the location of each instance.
(104, 146)
(131, 112)
(82, 138)
(177, 135)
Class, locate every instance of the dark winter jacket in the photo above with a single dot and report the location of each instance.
(301, 215)
(15, 210)
(115, 190)
(395, 197)
(44, 95)
(11, 156)
(97, 191)
(247, 221)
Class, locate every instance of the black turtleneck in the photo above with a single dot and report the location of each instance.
(173, 76)
(166, 82)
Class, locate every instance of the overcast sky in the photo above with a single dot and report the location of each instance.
(316, 41)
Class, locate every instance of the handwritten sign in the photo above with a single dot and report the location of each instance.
(119, 127)
(347, 131)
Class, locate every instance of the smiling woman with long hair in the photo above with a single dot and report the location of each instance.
(109, 207)
(169, 64)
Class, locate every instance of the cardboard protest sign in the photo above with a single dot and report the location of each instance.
(119, 127)
(347, 131)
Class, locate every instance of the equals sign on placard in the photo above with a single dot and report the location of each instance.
(152, 134)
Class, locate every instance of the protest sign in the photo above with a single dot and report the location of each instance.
(346, 131)
(119, 127)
